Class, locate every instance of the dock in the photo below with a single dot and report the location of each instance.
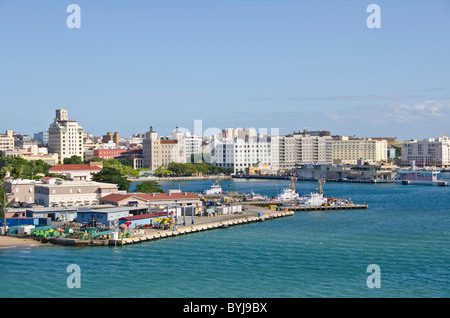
(301, 207)
(254, 214)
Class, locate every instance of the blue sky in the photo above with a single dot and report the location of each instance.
(287, 64)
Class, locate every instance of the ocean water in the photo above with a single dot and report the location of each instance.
(405, 231)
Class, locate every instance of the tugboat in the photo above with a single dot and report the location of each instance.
(289, 194)
(214, 189)
(315, 199)
(255, 197)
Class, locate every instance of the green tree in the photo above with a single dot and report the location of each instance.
(73, 160)
(112, 175)
(148, 187)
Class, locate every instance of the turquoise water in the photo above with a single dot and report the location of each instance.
(406, 231)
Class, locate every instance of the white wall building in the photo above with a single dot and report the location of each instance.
(429, 152)
(240, 153)
(193, 146)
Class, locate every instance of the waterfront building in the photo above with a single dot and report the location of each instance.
(346, 150)
(106, 217)
(20, 191)
(65, 136)
(241, 152)
(351, 172)
(153, 200)
(160, 151)
(57, 192)
(302, 148)
(428, 152)
(7, 141)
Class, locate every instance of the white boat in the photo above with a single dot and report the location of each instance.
(214, 189)
(314, 199)
(256, 197)
(289, 194)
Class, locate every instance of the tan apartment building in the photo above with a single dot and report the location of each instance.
(57, 192)
(20, 191)
(297, 149)
(65, 137)
(159, 152)
(110, 137)
(345, 150)
(7, 141)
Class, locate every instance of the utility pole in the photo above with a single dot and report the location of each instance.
(4, 205)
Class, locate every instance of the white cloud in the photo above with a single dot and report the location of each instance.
(425, 112)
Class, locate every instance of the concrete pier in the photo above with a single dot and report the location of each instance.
(204, 223)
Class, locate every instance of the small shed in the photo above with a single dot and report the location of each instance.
(142, 220)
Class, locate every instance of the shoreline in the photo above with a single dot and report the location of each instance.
(11, 241)
(176, 178)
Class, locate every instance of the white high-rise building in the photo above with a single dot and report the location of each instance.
(429, 152)
(65, 137)
(304, 149)
(193, 147)
(228, 151)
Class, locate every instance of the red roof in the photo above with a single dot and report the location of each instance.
(144, 216)
(167, 141)
(75, 167)
(116, 197)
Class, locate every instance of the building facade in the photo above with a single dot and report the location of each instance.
(301, 148)
(134, 156)
(108, 153)
(65, 137)
(237, 153)
(428, 152)
(159, 152)
(7, 141)
(20, 191)
(349, 151)
(57, 192)
(193, 147)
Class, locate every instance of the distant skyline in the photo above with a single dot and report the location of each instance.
(286, 64)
